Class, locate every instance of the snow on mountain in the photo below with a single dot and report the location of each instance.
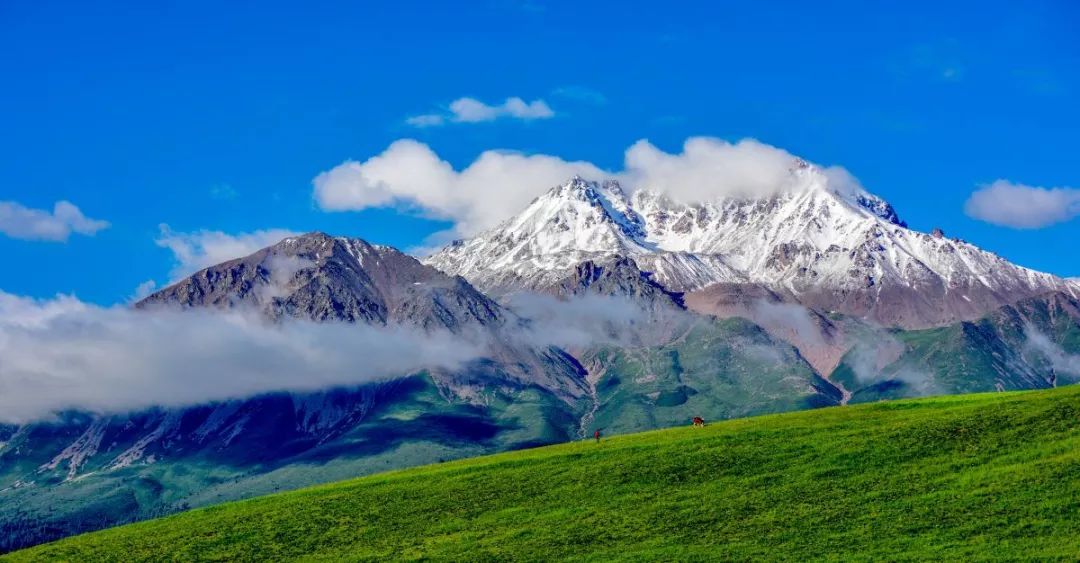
(826, 246)
(571, 223)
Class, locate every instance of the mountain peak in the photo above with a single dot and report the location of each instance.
(319, 277)
(824, 242)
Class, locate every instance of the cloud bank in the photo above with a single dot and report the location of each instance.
(471, 110)
(201, 249)
(1020, 206)
(408, 174)
(20, 222)
(62, 354)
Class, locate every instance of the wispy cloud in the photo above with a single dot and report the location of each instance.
(1058, 358)
(471, 110)
(1021, 206)
(25, 223)
(144, 290)
(200, 249)
(426, 120)
(582, 321)
(62, 354)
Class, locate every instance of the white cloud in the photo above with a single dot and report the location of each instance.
(201, 249)
(471, 110)
(62, 354)
(499, 184)
(1023, 207)
(708, 168)
(18, 221)
(409, 174)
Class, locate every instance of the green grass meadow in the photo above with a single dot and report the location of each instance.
(990, 476)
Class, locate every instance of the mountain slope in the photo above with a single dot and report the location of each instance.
(85, 471)
(1030, 344)
(959, 478)
(318, 277)
(816, 244)
(645, 361)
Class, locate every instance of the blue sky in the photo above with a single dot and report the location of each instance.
(217, 116)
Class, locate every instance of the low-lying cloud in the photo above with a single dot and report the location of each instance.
(25, 223)
(1020, 206)
(1060, 361)
(471, 110)
(873, 359)
(63, 354)
(498, 184)
(580, 322)
(791, 320)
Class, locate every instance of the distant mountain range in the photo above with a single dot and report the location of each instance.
(807, 298)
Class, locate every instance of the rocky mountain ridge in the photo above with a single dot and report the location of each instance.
(828, 248)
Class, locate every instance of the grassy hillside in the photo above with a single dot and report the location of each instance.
(993, 475)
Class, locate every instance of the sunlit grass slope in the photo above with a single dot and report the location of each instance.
(967, 477)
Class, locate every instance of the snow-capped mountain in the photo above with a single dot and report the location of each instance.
(591, 242)
(570, 224)
(817, 244)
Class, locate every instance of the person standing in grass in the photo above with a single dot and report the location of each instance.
(597, 436)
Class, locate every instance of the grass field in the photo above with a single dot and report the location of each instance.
(964, 477)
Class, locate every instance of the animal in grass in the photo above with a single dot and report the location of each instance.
(699, 422)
